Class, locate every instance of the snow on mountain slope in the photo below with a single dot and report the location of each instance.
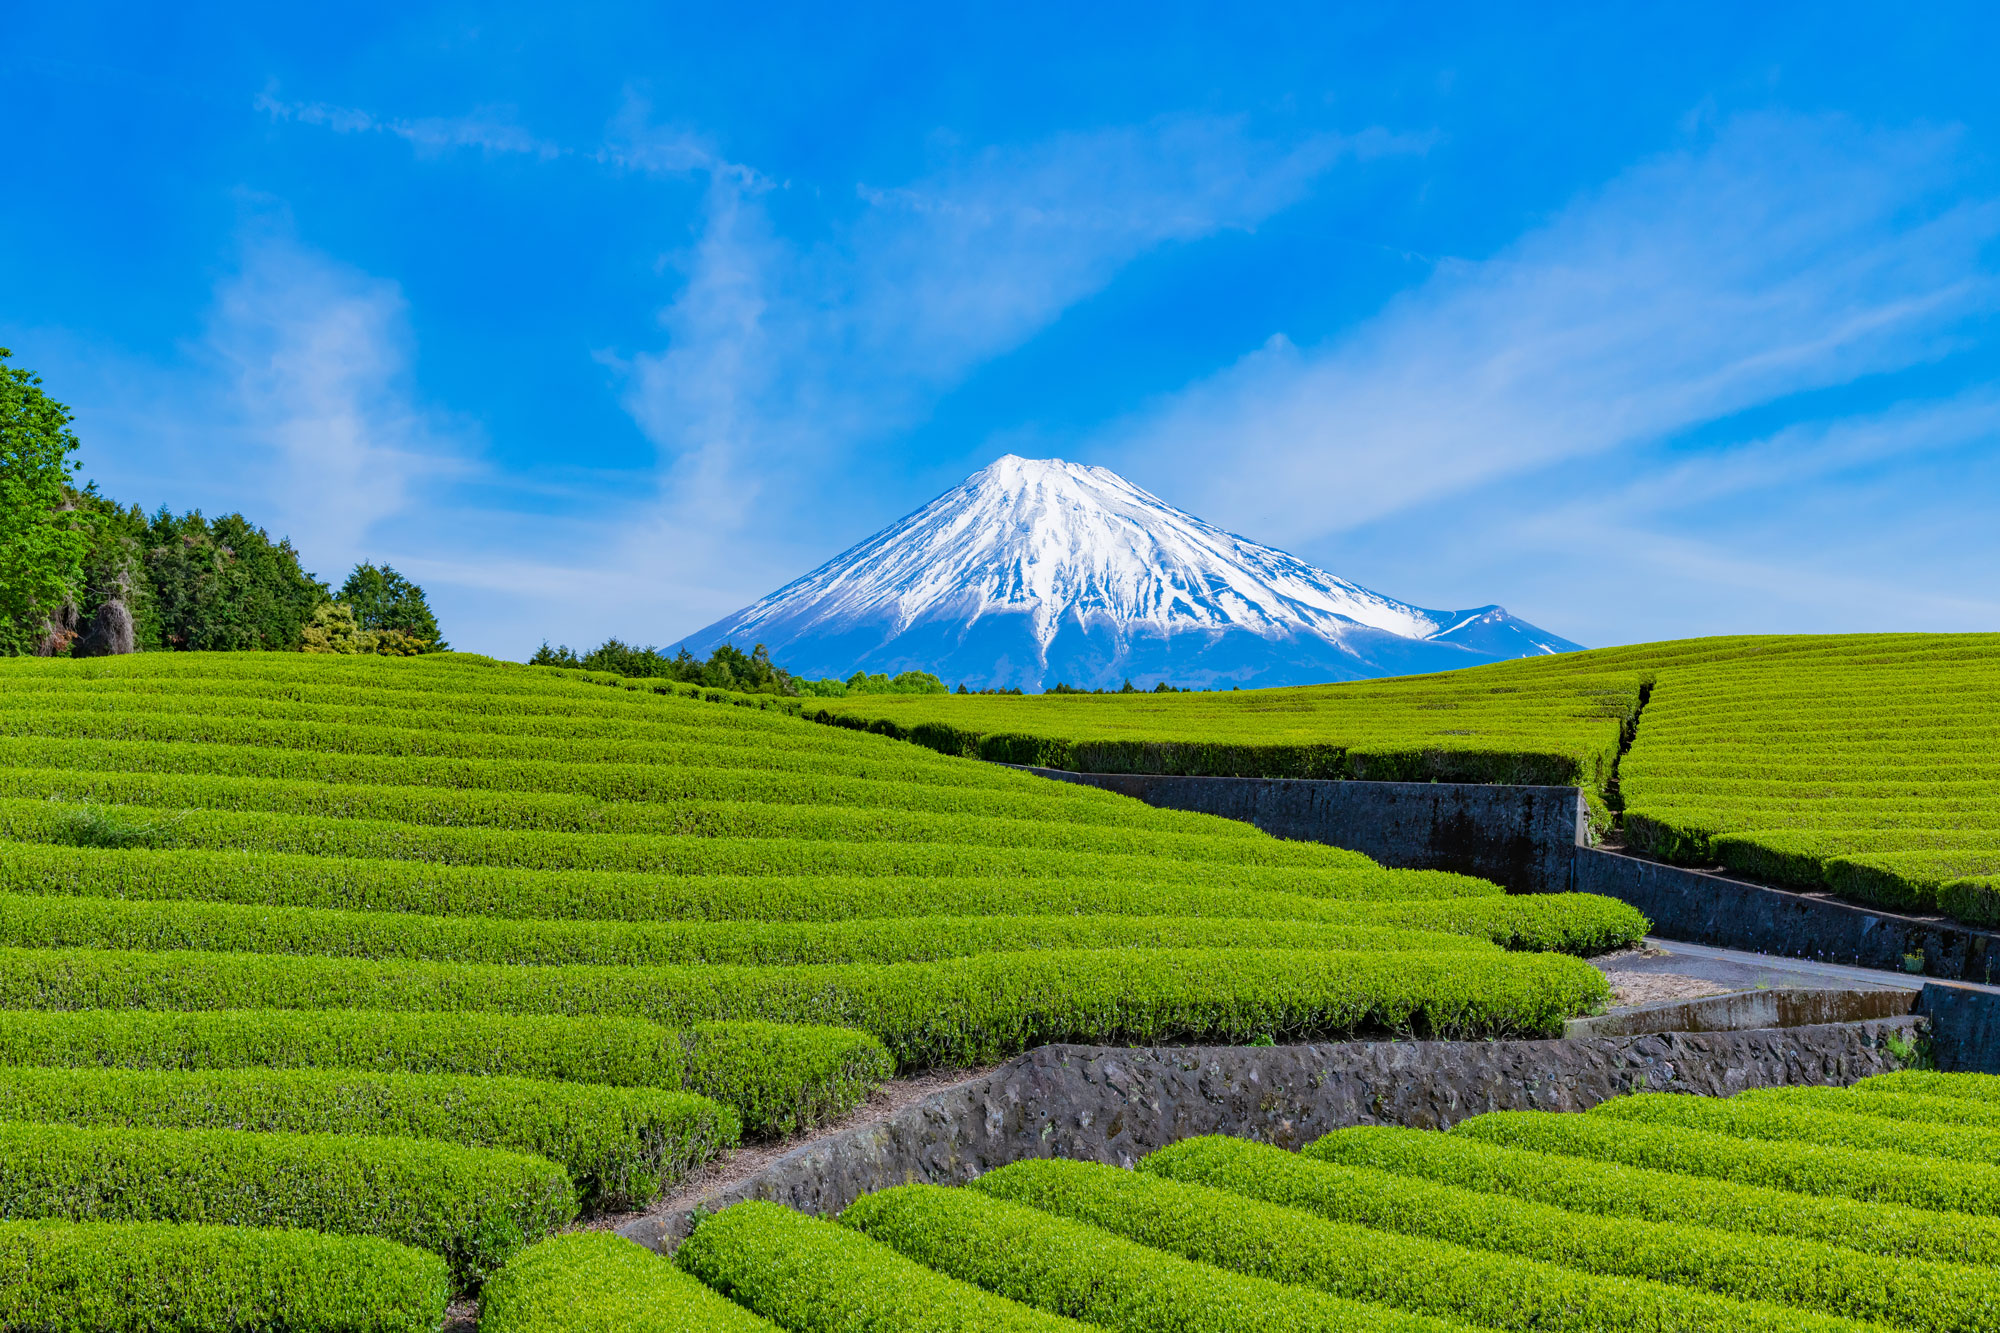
(1037, 570)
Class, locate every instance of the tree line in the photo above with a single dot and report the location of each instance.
(83, 575)
(730, 668)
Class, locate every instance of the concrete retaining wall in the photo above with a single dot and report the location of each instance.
(1113, 1104)
(1700, 908)
(1521, 837)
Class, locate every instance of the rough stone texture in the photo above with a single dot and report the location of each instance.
(1701, 908)
(110, 632)
(1964, 1025)
(1110, 1104)
(1521, 837)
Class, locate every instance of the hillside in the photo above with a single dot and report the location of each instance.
(438, 955)
(1864, 764)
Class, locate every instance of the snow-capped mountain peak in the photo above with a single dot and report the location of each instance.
(1037, 570)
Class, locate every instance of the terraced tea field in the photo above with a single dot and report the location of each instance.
(1876, 1206)
(1864, 764)
(330, 985)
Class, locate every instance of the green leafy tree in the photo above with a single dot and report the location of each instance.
(384, 600)
(41, 544)
(225, 586)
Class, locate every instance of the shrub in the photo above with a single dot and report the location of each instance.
(151, 1277)
(1935, 1083)
(619, 1145)
(1104, 1280)
(595, 1282)
(1788, 1271)
(1877, 1177)
(1609, 1189)
(959, 1012)
(811, 1276)
(1785, 1122)
(1432, 1277)
(39, 921)
(784, 1079)
(474, 1207)
(751, 1067)
(279, 879)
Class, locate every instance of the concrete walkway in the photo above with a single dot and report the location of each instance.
(1739, 970)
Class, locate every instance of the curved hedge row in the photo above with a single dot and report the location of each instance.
(560, 819)
(1105, 1280)
(958, 1012)
(810, 1276)
(724, 775)
(1788, 1270)
(595, 1282)
(278, 879)
(151, 1277)
(1934, 1083)
(784, 1078)
(620, 1146)
(1883, 1104)
(227, 830)
(31, 921)
(1423, 1276)
(473, 1207)
(777, 1077)
(1764, 1119)
(1874, 1176)
(1610, 1189)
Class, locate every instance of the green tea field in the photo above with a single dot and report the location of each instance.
(1864, 764)
(330, 985)
(1871, 1207)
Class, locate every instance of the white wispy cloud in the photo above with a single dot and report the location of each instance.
(491, 130)
(314, 397)
(1780, 255)
(786, 357)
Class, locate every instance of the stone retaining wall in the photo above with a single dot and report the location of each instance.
(1113, 1104)
(1520, 837)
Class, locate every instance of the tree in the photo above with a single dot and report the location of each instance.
(41, 544)
(384, 600)
(226, 586)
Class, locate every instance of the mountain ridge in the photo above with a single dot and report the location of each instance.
(1032, 571)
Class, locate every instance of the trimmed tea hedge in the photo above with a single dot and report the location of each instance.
(960, 1012)
(1875, 1176)
(473, 1207)
(1107, 1281)
(783, 1078)
(620, 1146)
(1815, 1124)
(227, 830)
(1787, 1270)
(1935, 1083)
(772, 1074)
(152, 1277)
(520, 827)
(279, 879)
(712, 773)
(595, 1282)
(35, 921)
(811, 1276)
(1612, 1190)
(1441, 1279)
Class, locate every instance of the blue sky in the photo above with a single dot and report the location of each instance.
(609, 319)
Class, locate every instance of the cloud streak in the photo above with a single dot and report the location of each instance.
(1781, 256)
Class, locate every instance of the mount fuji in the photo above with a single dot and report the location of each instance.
(1034, 571)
